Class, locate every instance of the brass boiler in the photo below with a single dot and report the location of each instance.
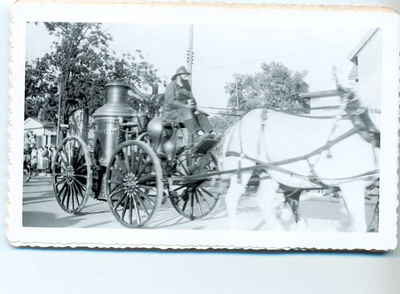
(109, 119)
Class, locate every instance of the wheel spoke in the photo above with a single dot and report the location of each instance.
(138, 199)
(78, 193)
(79, 150)
(198, 202)
(179, 188)
(80, 189)
(133, 157)
(146, 196)
(68, 196)
(147, 189)
(62, 158)
(205, 200)
(130, 209)
(119, 201)
(185, 201)
(208, 193)
(141, 165)
(117, 183)
(80, 166)
(68, 152)
(141, 168)
(72, 197)
(139, 217)
(125, 207)
(61, 191)
(191, 205)
(116, 192)
(79, 184)
(186, 171)
(63, 180)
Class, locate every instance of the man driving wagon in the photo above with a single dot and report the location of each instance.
(180, 109)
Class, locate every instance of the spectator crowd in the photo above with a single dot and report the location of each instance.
(38, 160)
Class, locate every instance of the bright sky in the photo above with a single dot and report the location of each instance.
(222, 50)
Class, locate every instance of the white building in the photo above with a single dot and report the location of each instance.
(366, 74)
(39, 133)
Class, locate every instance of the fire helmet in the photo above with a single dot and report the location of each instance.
(180, 71)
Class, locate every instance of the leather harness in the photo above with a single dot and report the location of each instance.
(359, 116)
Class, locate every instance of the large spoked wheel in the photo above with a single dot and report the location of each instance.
(72, 174)
(134, 183)
(195, 199)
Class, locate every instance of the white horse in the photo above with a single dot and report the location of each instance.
(324, 150)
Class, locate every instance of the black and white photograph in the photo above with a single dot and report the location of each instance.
(255, 128)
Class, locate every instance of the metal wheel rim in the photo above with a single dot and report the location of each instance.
(186, 202)
(132, 201)
(72, 178)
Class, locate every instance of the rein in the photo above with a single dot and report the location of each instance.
(274, 165)
(317, 151)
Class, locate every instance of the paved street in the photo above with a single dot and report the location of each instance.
(40, 209)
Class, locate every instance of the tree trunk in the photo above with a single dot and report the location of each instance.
(85, 124)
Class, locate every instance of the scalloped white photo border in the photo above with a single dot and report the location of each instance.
(387, 20)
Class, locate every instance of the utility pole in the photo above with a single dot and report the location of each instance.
(237, 97)
(190, 54)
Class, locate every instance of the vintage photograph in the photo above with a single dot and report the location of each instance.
(206, 129)
(200, 137)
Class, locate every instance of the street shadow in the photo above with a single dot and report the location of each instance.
(95, 212)
(97, 224)
(46, 219)
(40, 191)
(48, 196)
(166, 220)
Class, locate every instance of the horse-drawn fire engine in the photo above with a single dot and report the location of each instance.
(121, 165)
(135, 160)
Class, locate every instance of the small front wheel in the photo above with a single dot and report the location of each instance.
(195, 199)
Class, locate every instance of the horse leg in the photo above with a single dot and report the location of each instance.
(270, 202)
(354, 198)
(293, 200)
(233, 195)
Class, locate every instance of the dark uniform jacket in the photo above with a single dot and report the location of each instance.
(173, 95)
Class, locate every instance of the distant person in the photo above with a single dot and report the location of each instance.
(40, 160)
(34, 158)
(51, 153)
(45, 156)
(27, 159)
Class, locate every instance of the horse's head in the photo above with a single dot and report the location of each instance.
(361, 116)
(356, 103)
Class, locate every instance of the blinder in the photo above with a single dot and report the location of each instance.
(360, 118)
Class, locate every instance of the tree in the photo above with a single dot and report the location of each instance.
(80, 63)
(40, 87)
(275, 86)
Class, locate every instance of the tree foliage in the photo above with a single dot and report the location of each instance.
(275, 86)
(79, 63)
